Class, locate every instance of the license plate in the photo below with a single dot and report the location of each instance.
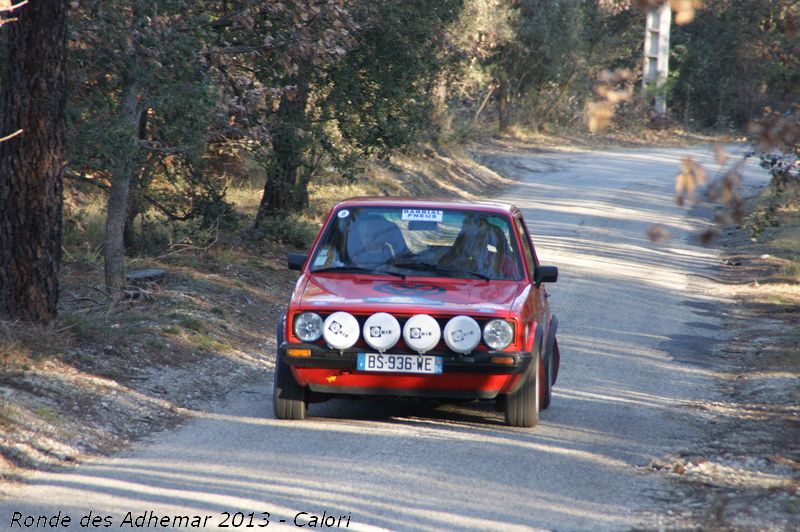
(399, 363)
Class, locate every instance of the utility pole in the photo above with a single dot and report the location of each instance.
(656, 56)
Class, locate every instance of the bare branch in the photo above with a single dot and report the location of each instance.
(12, 135)
(74, 176)
(166, 150)
(8, 9)
(12, 7)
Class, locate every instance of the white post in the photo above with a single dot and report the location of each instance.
(656, 55)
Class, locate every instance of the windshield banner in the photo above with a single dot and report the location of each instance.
(422, 215)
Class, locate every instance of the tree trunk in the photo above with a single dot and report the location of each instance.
(136, 189)
(441, 116)
(117, 213)
(129, 233)
(503, 100)
(286, 187)
(31, 164)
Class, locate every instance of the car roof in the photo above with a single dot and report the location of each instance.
(429, 203)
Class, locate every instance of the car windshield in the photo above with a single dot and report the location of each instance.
(419, 242)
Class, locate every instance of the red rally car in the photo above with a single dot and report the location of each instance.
(419, 298)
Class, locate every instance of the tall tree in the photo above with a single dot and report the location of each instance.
(360, 82)
(304, 39)
(31, 164)
(141, 105)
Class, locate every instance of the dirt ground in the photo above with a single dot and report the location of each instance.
(103, 378)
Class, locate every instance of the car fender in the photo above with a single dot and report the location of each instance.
(532, 344)
(280, 340)
(280, 333)
(532, 340)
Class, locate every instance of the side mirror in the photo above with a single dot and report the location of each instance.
(296, 260)
(545, 274)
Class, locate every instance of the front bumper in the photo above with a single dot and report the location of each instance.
(472, 376)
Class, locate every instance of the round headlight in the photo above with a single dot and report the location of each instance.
(462, 334)
(308, 326)
(340, 330)
(421, 333)
(498, 334)
(381, 331)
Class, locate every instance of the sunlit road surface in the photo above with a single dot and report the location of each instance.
(637, 327)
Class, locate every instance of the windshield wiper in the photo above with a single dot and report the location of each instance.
(358, 269)
(422, 266)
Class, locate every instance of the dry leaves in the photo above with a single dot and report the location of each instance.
(613, 88)
(719, 153)
(726, 189)
(599, 115)
(777, 131)
(691, 176)
(658, 233)
(722, 189)
(707, 237)
(684, 10)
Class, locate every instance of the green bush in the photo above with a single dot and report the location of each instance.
(289, 229)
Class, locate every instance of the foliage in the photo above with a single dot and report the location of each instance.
(778, 136)
(271, 58)
(784, 167)
(292, 230)
(153, 46)
(380, 93)
(735, 59)
(310, 88)
(537, 61)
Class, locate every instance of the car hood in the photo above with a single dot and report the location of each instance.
(366, 293)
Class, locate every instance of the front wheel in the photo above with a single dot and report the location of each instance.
(547, 383)
(522, 405)
(289, 399)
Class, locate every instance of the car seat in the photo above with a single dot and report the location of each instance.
(372, 240)
(481, 247)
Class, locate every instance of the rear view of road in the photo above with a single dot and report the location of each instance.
(637, 323)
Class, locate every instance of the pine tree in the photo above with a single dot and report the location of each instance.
(31, 163)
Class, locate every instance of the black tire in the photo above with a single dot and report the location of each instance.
(500, 402)
(556, 358)
(547, 382)
(289, 399)
(522, 406)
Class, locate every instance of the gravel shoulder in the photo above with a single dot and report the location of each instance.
(746, 473)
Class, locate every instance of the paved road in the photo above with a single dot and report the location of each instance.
(637, 325)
